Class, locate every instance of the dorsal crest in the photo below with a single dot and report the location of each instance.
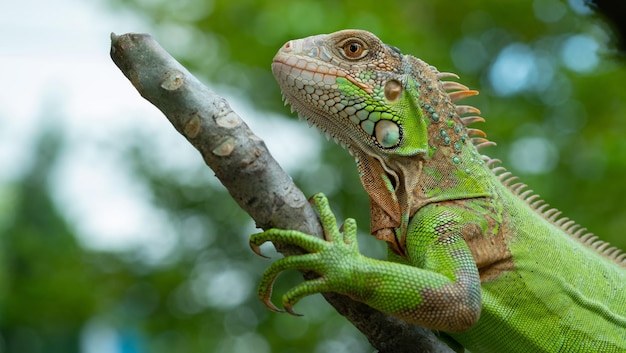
(470, 115)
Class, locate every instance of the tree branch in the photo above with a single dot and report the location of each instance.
(245, 167)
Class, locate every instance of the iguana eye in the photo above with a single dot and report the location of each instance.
(354, 49)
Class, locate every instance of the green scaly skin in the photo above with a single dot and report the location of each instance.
(469, 255)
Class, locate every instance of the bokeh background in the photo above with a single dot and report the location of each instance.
(115, 237)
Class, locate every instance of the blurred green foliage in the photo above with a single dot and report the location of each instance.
(551, 91)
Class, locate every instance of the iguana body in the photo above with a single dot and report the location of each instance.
(470, 254)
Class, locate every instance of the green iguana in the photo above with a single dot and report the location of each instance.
(472, 253)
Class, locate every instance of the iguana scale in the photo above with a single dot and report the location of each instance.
(472, 252)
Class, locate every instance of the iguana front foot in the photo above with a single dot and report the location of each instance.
(334, 259)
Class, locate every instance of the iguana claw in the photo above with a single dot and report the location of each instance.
(268, 303)
(327, 257)
(289, 309)
(257, 250)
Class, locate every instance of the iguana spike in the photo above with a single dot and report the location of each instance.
(466, 109)
(483, 143)
(442, 75)
(517, 188)
(491, 161)
(556, 215)
(611, 252)
(600, 245)
(535, 205)
(592, 239)
(476, 132)
(528, 195)
(560, 222)
(567, 225)
(617, 254)
(453, 85)
(498, 170)
(504, 175)
(478, 140)
(552, 214)
(457, 96)
(472, 119)
(573, 227)
(509, 179)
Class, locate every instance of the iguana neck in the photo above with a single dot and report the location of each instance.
(453, 168)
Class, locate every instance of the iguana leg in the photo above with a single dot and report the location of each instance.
(443, 295)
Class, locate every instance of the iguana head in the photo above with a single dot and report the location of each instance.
(350, 85)
(393, 113)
